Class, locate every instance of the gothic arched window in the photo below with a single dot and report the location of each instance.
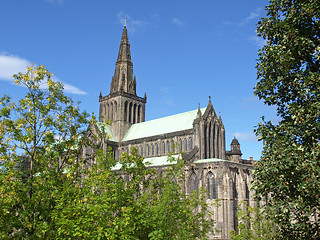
(139, 114)
(108, 112)
(134, 113)
(130, 113)
(247, 191)
(164, 147)
(185, 143)
(105, 113)
(115, 111)
(191, 143)
(193, 182)
(152, 148)
(111, 111)
(126, 111)
(141, 151)
(235, 190)
(211, 186)
(157, 149)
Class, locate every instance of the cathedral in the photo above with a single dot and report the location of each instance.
(198, 135)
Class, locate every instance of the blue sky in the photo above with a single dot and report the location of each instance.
(182, 51)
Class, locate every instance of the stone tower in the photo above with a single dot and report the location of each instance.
(235, 153)
(122, 106)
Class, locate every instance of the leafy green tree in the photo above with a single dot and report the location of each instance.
(128, 200)
(174, 214)
(253, 224)
(39, 136)
(288, 71)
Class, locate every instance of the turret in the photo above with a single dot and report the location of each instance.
(235, 154)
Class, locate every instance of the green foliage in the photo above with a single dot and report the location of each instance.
(289, 78)
(132, 202)
(253, 224)
(50, 189)
(38, 142)
(176, 215)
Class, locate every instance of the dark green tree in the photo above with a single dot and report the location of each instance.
(288, 71)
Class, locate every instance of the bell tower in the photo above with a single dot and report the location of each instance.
(122, 106)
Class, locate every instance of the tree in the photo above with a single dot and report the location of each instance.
(288, 72)
(128, 200)
(253, 224)
(57, 181)
(39, 139)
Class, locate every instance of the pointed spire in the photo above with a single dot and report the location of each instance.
(219, 116)
(123, 74)
(124, 50)
(199, 114)
(135, 85)
(210, 104)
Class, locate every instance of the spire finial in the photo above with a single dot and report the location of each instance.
(210, 99)
(199, 115)
(125, 21)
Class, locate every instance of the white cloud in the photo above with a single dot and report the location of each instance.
(246, 136)
(70, 89)
(258, 40)
(165, 90)
(227, 22)
(177, 22)
(252, 15)
(155, 17)
(12, 64)
(133, 24)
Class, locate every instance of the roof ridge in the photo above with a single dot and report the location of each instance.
(202, 109)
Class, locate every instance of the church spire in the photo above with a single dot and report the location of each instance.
(124, 50)
(123, 74)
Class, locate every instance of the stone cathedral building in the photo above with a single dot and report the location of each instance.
(198, 134)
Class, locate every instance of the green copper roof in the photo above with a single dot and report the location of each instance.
(174, 123)
(107, 130)
(152, 162)
(163, 160)
(209, 160)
